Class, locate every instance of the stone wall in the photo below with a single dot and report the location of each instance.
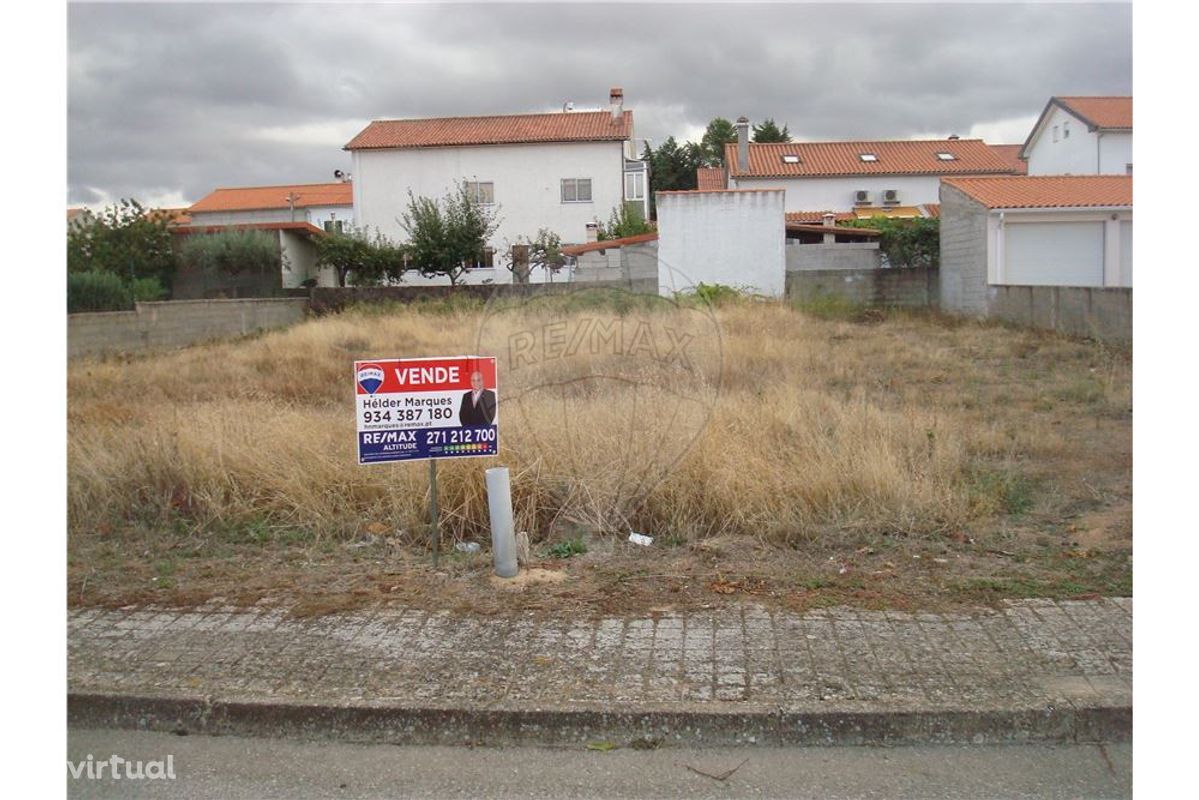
(177, 323)
(856, 255)
(909, 288)
(963, 253)
(1093, 312)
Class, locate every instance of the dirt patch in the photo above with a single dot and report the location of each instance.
(526, 578)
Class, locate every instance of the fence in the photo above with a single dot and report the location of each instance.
(911, 288)
(1099, 313)
(177, 323)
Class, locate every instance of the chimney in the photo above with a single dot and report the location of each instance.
(616, 103)
(742, 144)
(829, 220)
(592, 232)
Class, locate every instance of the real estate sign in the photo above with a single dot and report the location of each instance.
(420, 408)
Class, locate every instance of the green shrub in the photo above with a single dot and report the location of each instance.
(146, 289)
(232, 252)
(97, 291)
(906, 242)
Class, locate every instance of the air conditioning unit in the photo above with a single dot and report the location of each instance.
(861, 197)
(891, 196)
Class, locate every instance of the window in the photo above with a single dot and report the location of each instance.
(868, 156)
(576, 190)
(485, 260)
(789, 158)
(481, 193)
(1066, 129)
(1128, 169)
(334, 226)
(634, 186)
(947, 157)
(1055, 133)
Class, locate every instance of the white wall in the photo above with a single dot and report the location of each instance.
(1060, 248)
(316, 215)
(731, 238)
(527, 181)
(1082, 152)
(837, 194)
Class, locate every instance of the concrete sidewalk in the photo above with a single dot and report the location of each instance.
(1034, 670)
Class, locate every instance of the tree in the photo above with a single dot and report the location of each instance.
(672, 168)
(544, 250)
(358, 255)
(625, 220)
(719, 133)
(906, 242)
(231, 252)
(768, 131)
(126, 240)
(445, 237)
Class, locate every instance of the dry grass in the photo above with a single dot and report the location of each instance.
(238, 458)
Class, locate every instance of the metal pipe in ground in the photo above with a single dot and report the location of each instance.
(503, 532)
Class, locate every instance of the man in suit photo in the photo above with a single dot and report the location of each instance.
(478, 405)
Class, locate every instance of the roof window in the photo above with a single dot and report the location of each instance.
(790, 158)
(868, 156)
(947, 157)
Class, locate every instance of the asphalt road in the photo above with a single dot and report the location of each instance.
(231, 767)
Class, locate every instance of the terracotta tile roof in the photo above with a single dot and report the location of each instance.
(1047, 191)
(932, 210)
(257, 198)
(74, 212)
(609, 244)
(816, 217)
(574, 126)
(1100, 113)
(299, 227)
(824, 159)
(707, 178)
(1011, 154)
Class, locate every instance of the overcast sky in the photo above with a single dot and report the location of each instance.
(167, 102)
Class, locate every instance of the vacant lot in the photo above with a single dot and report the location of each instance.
(880, 459)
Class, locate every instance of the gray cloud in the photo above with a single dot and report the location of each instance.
(179, 99)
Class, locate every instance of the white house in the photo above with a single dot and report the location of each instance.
(559, 171)
(294, 213)
(1081, 136)
(894, 178)
(1044, 230)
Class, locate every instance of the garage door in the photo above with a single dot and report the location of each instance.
(1053, 254)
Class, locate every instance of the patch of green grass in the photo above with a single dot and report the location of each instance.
(571, 547)
(831, 306)
(1084, 390)
(1006, 490)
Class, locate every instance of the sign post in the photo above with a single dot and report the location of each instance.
(426, 408)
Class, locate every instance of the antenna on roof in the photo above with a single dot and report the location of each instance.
(569, 105)
(344, 177)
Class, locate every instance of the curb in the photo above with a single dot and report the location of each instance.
(647, 727)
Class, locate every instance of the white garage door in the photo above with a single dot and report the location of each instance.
(1053, 254)
(1126, 253)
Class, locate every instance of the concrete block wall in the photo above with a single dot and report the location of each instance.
(1093, 312)
(963, 287)
(907, 288)
(833, 256)
(177, 323)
